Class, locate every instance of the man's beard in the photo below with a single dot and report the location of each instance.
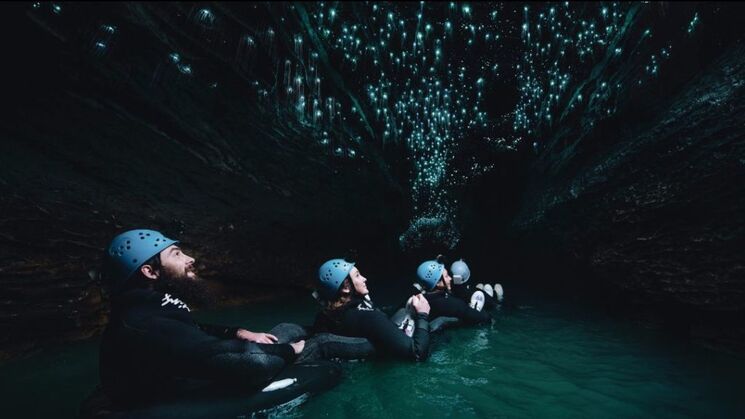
(189, 290)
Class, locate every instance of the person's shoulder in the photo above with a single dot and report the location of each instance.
(135, 297)
(435, 295)
(366, 313)
(139, 305)
(321, 319)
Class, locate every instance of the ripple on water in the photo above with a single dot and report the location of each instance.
(543, 361)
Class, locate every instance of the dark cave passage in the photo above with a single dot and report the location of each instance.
(594, 151)
(589, 157)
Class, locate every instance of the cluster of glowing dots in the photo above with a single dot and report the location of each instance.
(55, 8)
(302, 93)
(425, 90)
(571, 60)
(102, 39)
(555, 38)
(693, 24)
(182, 67)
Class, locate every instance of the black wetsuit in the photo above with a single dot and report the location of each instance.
(152, 348)
(464, 291)
(358, 318)
(444, 304)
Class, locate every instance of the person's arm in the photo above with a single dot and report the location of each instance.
(188, 351)
(225, 332)
(387, 338)
(420, 338)
(450, 306)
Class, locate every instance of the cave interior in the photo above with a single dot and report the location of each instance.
(593, 151)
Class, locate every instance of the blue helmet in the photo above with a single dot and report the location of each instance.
(128, 251)
(460, 272)
(429, 273)
(331, 275)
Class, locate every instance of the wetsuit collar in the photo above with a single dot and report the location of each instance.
(144, 296)
(442, 293)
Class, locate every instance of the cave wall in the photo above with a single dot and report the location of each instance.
(95, 140)
(91, 147)
(652, 201)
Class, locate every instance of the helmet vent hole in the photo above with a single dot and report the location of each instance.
(147, 234)
(156, 244)
(134, 260)
(127, 247)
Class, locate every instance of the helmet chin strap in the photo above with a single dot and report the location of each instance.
(317, 297)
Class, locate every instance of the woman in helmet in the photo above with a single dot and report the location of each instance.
(436, 284)
(478, 296)
(349, 311)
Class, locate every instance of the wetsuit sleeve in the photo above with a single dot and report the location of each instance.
(455, 307)
(387, 338)
(323, 324)
(420, 338)
(222, 332)
(190, 352)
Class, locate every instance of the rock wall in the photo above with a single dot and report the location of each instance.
(653, 201)
(91, 147)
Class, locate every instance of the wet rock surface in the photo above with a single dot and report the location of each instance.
(653, 205)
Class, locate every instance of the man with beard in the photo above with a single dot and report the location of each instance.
(152, 349)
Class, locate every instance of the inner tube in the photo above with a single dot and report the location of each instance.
(323, 346)
(295, 385)
(435, 325)
(334, 347)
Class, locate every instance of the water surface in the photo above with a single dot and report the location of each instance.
(539, 358)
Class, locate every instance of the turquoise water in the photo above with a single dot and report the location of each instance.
(538, 359)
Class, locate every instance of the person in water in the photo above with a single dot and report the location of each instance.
(152, 347)
(349, 311)
(435, 282)
(481, 296)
